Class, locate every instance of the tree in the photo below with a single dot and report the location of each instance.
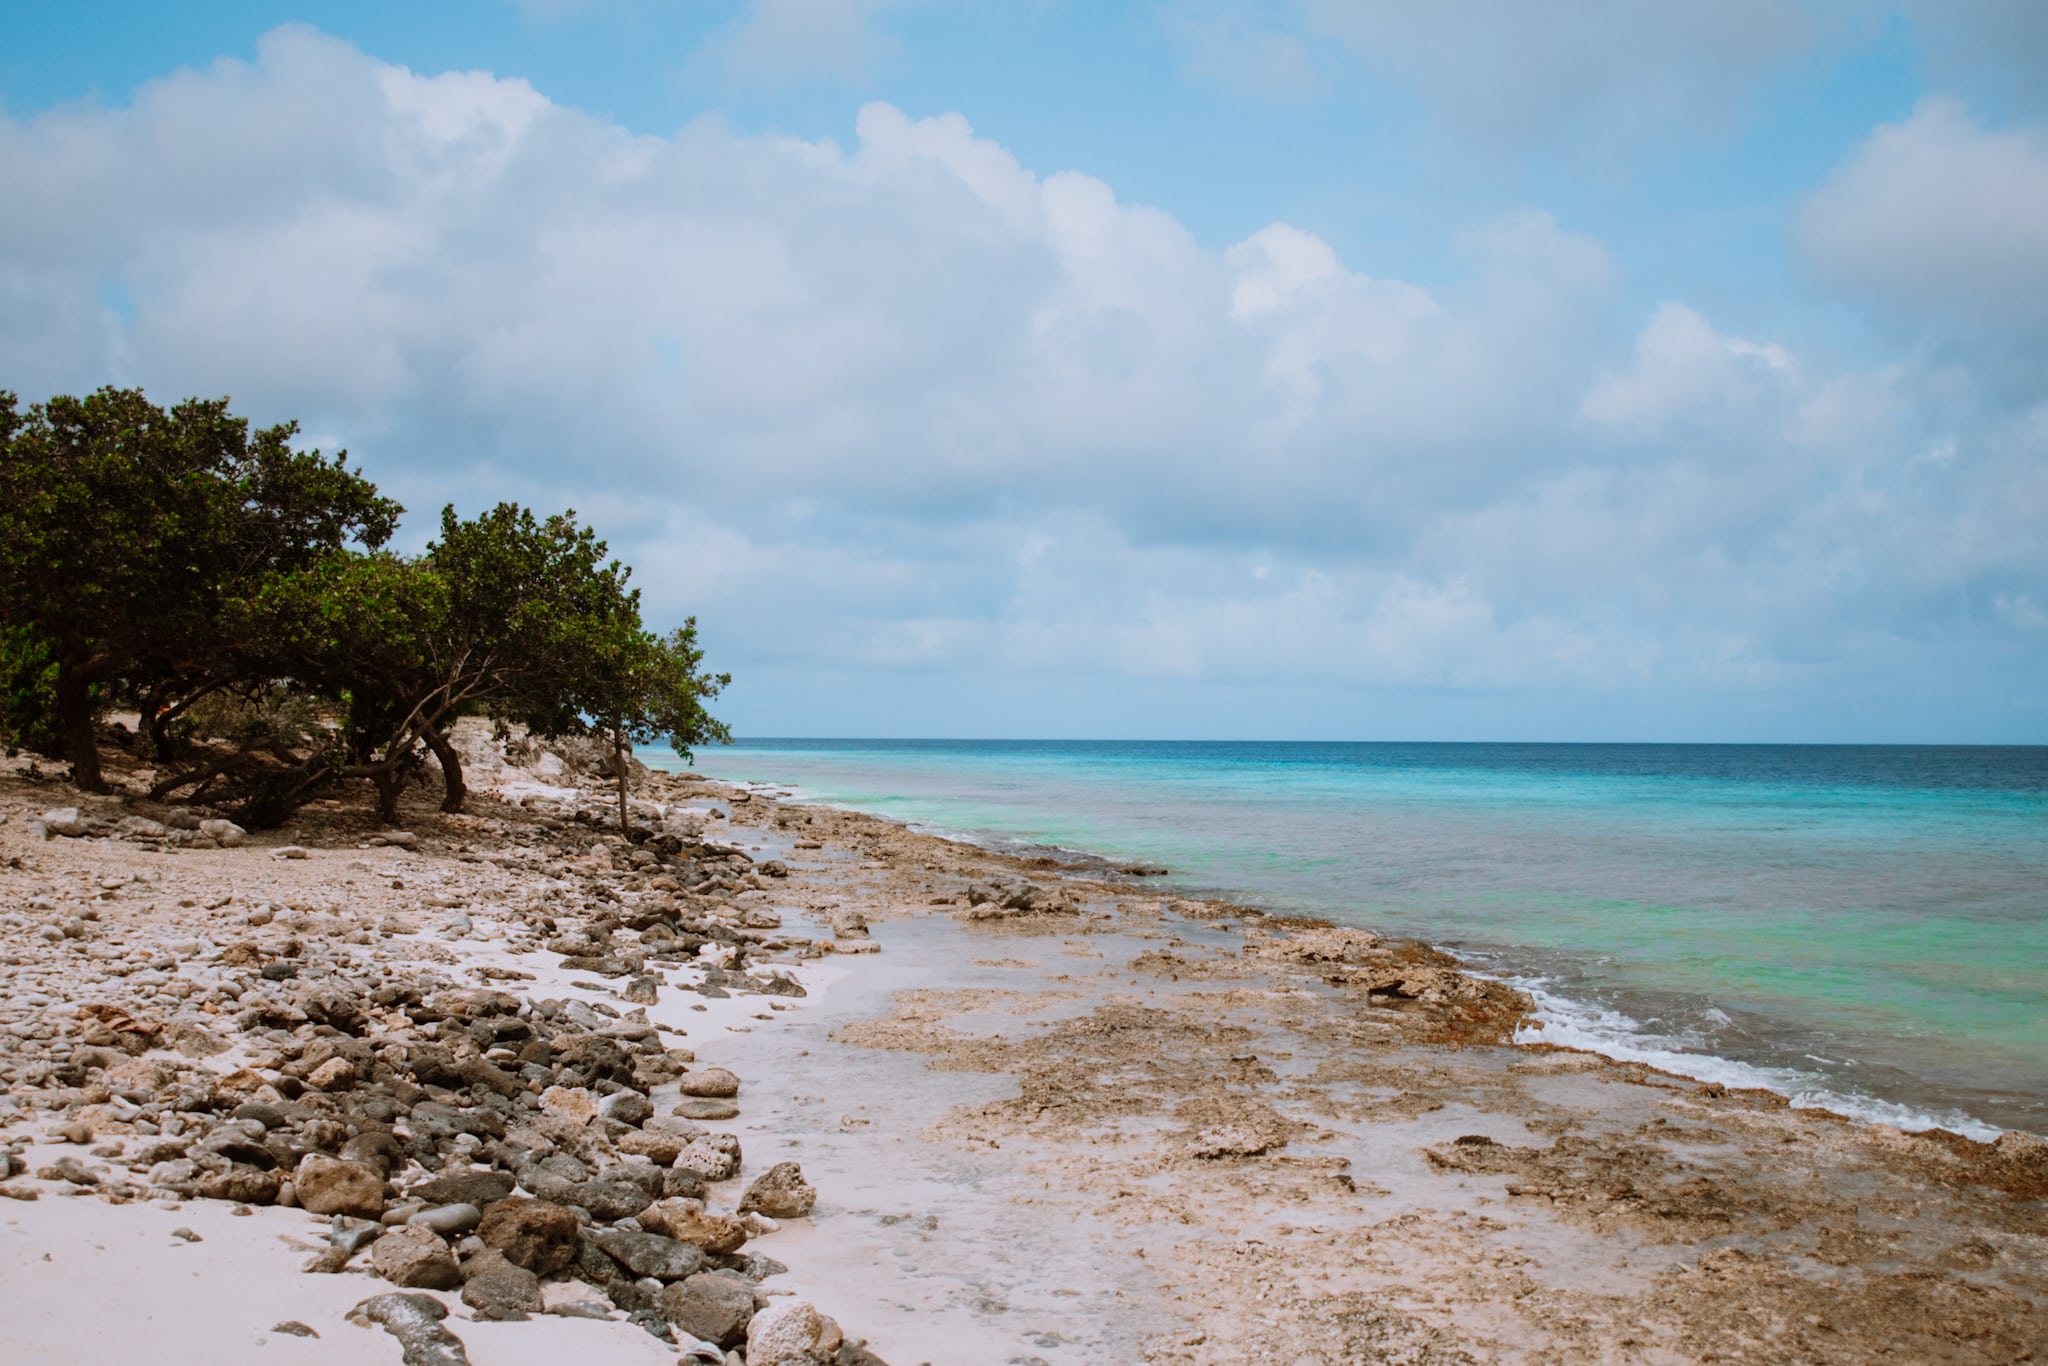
(647, 688)
(128, 531)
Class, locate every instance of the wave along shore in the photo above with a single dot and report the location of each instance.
(1860, 928)
(1037, 1112)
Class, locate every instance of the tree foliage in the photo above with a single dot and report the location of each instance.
(222, 581)
(128, 531)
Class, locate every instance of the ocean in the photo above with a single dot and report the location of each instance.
(1859, 927)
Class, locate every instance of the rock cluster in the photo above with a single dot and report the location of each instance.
(459, 1138)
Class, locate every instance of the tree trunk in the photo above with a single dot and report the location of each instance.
(74, 711)
(389, 782)
(451, 768)
(619, 762)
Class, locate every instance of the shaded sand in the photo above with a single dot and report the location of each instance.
(1058, 1117)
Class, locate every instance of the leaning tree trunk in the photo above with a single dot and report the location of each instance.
(74, 712)
(451, 768)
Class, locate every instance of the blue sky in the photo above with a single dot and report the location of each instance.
(1293, 368)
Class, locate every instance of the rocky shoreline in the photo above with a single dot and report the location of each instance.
(511, 1084)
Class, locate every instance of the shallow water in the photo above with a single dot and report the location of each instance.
(1865, 927)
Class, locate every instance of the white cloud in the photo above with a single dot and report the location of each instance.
(906, 406)
(1683, 368)
(1943, 222)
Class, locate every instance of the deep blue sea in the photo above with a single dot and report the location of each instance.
(1860, 927)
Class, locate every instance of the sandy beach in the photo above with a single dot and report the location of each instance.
(1040, 1111)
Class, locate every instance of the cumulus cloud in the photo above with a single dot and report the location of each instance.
(1943, 223)
(907, 409)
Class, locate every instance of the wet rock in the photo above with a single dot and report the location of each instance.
(792, 1333)
(649, 1254)
(330, 1185)
(780, 1193)
(415, 1320)
(715, 1083)
(687, 1221)
(496, 1289)
(535, 1234)
(711, 1305)
(709, 1110)
(415, 1258)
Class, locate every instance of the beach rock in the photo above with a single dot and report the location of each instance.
(572, 1103)
(330, 1185)
(449, 1221)
(656, 1145)
(849, 924)
(687, 1221)
(226, 834)
(792, 1333)
(649, 1254)
(336, 1074)
(292, 851)
(709, 1160)
(415, 1258)
(141, 828)
(65, 820)
(496, 1289)
(241, 1185)
(415, 1320)
(626, 1107)
(609, 1200)
(464, 1188)
(706, 1110)
(780, 1193)
(713, 1305)
(539, 1236)
(714, 1083)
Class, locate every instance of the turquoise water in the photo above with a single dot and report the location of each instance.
(1862, 927)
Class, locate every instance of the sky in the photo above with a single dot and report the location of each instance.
(1333, 369)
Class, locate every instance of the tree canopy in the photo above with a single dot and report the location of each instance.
(171, 557)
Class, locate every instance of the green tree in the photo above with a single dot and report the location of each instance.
(128, 533)
(642, 688)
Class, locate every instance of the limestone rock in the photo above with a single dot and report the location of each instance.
(496, 1289)
(715, 1306)
(649, 1254)
(330, 1185)
(709, 1160)
(687, 1221)
(792, 1333)
(415, 1258)
(714, 1083)
(65, 820)
(226, 834)
(415, 1320)
(539, 1236)
(780, 1193)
